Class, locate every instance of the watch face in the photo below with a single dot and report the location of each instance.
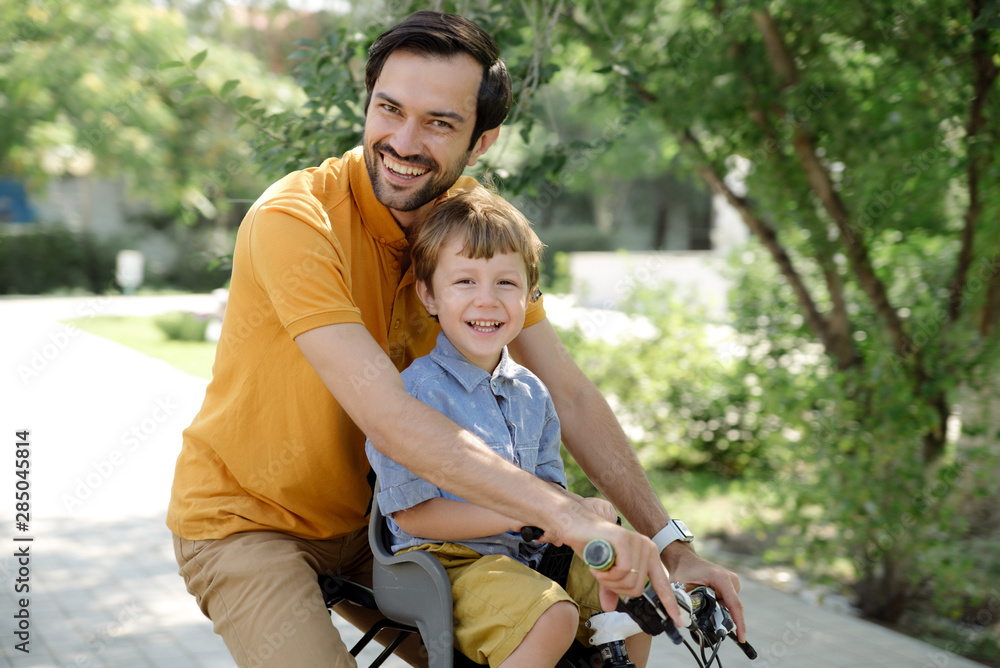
(688, 536)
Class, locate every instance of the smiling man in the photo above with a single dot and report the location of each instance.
(271, 486)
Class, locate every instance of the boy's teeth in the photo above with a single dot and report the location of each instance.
(484, 324)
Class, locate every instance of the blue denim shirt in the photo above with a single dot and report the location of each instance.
(511, 411)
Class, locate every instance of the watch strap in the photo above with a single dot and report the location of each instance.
(675, 530)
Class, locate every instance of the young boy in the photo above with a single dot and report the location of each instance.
(475, 259)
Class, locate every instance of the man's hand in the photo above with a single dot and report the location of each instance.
(687, 567)
(636, 559)
(600, 507)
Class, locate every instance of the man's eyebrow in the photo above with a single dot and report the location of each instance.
(453, 115)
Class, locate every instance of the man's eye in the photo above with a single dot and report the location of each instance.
(442, 125)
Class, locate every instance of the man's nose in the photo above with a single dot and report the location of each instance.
(406, 139)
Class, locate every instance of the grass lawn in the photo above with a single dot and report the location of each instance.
(142, 334)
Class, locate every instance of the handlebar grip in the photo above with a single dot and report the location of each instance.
(599, 555)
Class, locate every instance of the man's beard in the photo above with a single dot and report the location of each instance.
(386, 193)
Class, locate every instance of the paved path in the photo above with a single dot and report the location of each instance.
(105, 427)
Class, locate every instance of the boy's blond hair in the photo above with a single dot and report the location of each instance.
(489, 226)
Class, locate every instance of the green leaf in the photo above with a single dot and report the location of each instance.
(198, 59)
(243, 102)
(184, 81)
(195, 94)
(228, 87)
(170, 63)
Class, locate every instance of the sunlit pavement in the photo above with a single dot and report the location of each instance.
(100, 580)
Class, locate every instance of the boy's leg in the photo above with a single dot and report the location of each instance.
(549, 638)
(261, 593)
(497, 603)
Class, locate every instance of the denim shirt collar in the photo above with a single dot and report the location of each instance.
(447, 356)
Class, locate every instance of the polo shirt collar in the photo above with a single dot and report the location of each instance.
(447, 356)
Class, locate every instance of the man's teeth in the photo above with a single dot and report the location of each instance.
(484, 325)
(400, 168)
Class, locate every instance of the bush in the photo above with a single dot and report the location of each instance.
(180, 326)
(48, 259)
(681, 399)
(862, 502)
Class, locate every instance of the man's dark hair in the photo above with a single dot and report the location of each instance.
(437, 34)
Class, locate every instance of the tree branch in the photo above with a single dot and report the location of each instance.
(835, 335)
(984, 75)
(768, 236)
(838, 321)
(822, 184)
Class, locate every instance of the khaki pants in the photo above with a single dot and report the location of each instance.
(260, 591)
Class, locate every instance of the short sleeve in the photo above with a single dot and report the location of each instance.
(399, 489)
(302, 268)
(535, 312)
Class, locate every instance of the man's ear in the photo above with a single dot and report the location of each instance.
(482, 144)
(427, 297)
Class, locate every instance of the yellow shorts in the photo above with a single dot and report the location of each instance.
(498, 599)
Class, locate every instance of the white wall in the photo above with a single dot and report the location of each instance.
(608, 280)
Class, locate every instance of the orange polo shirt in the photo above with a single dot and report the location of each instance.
(271, 449)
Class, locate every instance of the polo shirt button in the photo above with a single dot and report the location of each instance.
(381, 241)
(395, 325)
(395, 265)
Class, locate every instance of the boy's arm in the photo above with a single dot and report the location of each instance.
(447, 519)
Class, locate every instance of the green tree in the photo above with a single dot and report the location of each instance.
(83, 95)
(866, 137)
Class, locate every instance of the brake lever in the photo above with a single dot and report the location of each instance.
(713, 621)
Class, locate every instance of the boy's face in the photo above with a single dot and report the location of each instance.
(418, 128)
(480, 303)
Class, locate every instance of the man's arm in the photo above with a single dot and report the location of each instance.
(436, 449)
(594, 437)
(405, 429)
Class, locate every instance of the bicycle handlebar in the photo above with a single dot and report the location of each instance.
(710, 621)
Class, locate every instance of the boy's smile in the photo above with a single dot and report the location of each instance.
(480, 303)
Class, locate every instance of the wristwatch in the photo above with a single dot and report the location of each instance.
(675, 530)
